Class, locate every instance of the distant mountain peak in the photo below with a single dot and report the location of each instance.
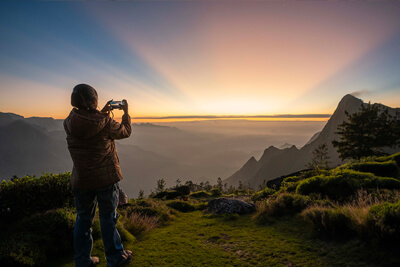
(285, 145)
(349, 96)
(349, 101)
(270, 148)
(252, 160)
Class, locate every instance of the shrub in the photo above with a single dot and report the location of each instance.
(395, 157)
(200, 194)
(331, 222)
(385, 219)
(292, 179)
(23, 197)
(216, 192)
(33, 240)
(181, 206)
(344, 184)
(161, 195)
(262, 194)
(184, 190)
(137, 224)
(282, 205)
(289, 187)
(385, 169)
(364, 216)
(172, 195)
(148, 207)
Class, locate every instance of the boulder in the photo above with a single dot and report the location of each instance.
(231, 206)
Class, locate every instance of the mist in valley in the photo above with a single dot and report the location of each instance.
(196, 150)
(203, 150)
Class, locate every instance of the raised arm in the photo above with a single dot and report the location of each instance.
(123, 129)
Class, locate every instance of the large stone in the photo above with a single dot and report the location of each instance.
(232, 206)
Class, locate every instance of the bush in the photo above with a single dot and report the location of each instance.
(161, 195)
(34, 240)
(172, 195)
(385, 169)
(395, 157)
(184, 190)
(23, 197)
(200, 194)
(330, 222)
(385, 220)
(344, 184)
(137, 224)
(216, 192)
(292, 179)
(289, 187)
(262, 194)
(282, 205)
(181, 206)
(148, 207)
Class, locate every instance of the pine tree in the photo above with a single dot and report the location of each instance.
(367, 133)
(219, 184)
(160, 185)
(320, 158)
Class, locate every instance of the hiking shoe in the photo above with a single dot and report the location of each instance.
(126, 257)
(95, 261)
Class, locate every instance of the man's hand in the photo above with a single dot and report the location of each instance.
(125, 107)
(107, 107)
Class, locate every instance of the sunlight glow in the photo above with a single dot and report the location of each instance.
(208, 58)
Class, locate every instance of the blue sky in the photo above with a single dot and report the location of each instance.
(199, 58)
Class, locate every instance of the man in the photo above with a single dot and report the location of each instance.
(95, 174)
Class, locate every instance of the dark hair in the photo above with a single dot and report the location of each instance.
(84, 97)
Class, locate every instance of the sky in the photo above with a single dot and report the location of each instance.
(199, 59)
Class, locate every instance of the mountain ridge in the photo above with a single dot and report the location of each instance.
(278, 162)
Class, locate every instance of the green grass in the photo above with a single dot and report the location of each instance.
(194, 239)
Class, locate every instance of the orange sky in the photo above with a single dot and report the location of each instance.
(201, 58)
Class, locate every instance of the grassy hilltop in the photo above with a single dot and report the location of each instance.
(349, 216)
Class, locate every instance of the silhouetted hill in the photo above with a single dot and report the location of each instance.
(252, 166)
(276, 162)
(25, 149)
(47, 123)
(7, 118)
(248, 170)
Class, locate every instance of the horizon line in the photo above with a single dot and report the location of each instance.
(282, 116)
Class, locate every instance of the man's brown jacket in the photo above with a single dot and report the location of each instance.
(90, 138)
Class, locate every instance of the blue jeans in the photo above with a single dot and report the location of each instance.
(86, 202)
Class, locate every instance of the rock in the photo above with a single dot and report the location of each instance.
(232, 206)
